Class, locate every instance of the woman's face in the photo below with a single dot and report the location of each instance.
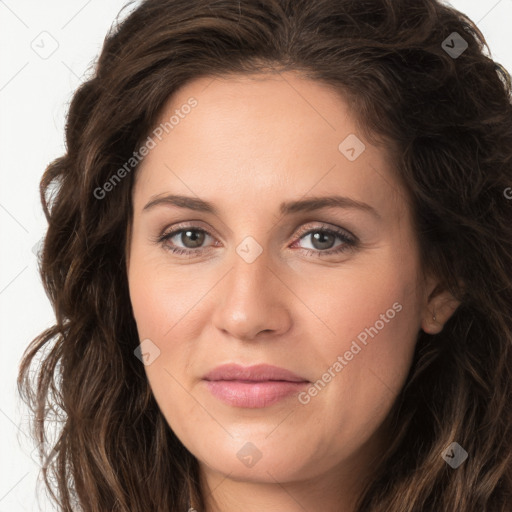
(328, 290)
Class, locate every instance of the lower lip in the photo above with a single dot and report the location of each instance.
(253, 395)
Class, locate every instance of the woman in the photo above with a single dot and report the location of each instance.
(278, 253)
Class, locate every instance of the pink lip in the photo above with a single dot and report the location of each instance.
(253, 386)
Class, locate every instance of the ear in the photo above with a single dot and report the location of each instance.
(439, 306)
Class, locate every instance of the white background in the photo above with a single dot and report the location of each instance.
(34, 96)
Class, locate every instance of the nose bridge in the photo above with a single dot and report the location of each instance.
(248, 281)
(251, 298)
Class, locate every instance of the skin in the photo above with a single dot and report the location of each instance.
(249, 144)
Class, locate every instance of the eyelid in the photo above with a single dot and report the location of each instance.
(189, 224)
(319, 225)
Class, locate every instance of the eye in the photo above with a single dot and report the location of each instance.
(322, 240)
(191, 237)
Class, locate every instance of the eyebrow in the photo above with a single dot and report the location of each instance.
(286, 208)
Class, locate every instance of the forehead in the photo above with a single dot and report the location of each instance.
(263, 105)
(256, 135)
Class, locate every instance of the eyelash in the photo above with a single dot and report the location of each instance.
(349, 241)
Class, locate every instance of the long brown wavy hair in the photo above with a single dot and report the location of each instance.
(447, 121)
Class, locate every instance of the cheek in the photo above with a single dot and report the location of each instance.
(373, 319)
(165, 308)
(377, 299)
(162, 316)
(161, 298)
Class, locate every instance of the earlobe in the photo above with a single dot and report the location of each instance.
(438, 311)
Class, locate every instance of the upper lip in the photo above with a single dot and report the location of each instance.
(257, 373)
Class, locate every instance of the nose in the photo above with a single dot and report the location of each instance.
(253, 301)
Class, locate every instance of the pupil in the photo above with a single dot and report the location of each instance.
(196, 236)
(320, 237)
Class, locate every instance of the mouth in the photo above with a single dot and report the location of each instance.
(251, 394)
(254, 386)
